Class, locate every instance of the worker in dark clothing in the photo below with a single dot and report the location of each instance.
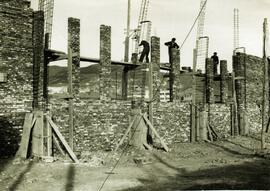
(145, 52)
(171, 44)
(216, 62)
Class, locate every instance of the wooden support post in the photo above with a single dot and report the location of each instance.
(125, 83)
(63, 141)
(232, 119)
(193, 105)
(70, 100)
(73, 71)
(29, 122)
(46, 96)
(37, 135)
(127, 33)
(203, 125)
(156, 133)
(235, 108)
(265, 103)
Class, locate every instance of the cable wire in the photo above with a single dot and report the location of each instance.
(193, 25)
(124, 150)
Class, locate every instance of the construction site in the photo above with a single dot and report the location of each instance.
(136, 123)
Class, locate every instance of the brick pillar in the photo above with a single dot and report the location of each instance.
(175, 82)
(223, 81)
(209, 71)
(105, 63)
(38, 57)
(239, 70)
(155, 61)
(74, 50)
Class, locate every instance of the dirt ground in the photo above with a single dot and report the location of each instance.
(228, 164)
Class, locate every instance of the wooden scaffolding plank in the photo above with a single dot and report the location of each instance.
(155, 133)
(126, 133)
(58, 145)
(37, 135)
(27, 127)
(62, 139)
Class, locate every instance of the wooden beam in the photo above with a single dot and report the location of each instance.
(126, 133)
(265, 101)
(37, 135)
(70, 101)
(58, 145)
(63, 141)
(155, 133)
(29, 122)
(58, 55)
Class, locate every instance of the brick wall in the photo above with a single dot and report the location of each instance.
(16, 62)
(254, 91)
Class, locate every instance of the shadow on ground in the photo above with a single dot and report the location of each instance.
(9, 142)
(253, 174)
(70, 178)
(21, 177)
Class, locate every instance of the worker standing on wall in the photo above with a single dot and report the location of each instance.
(171, 44)
(145, 52)
(216, 62)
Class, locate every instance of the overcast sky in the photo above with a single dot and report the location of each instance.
(170, 18)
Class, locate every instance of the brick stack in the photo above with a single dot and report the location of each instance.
(105, 63)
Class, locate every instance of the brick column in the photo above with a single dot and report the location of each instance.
(239, 70)
(223, 81)
(209, 71)
(175, 83)
(38, 57)
(105, 63)
(155, 61)
(74, 50)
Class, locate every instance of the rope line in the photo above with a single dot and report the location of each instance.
(122, 153)
(193, 25)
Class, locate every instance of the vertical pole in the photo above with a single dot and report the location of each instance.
(46, 96)
(265, 104)
(70, 101)
(235, 108)
(126, 58)
(127, 34)
(193, 104)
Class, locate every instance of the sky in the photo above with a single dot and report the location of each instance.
(170, 18)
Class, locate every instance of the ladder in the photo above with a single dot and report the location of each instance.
(143, 31)
(47, 6)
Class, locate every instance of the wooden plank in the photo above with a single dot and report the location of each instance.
(27, 127)
(63, 141)
(209, 133)
(70, 101)
(147, 146)
(49, 137)
(58, 145)
(37, 135)
(125, 135)
(156, 133)
(213, 131)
